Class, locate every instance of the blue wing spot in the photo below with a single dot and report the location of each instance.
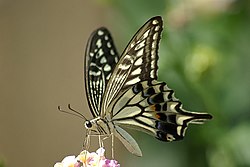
(137, 88)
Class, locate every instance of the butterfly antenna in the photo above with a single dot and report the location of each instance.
(74, 112)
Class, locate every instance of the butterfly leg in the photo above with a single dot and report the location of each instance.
(86, 143)
(112, 146)
(100, 141)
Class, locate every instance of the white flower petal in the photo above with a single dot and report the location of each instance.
(58, 164)
(100, 151)
(69, 160)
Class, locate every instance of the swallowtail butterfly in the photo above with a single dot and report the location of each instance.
(123, 91)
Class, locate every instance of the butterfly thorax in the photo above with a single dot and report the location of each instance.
(99, 125)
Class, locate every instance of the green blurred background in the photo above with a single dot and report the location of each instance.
(204, 57)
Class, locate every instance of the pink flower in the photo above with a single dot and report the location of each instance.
(110, 163)
(86, 159)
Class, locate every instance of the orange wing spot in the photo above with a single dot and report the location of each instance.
(153, 108)
(157, 116)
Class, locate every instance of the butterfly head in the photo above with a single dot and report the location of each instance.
(88, 124)
(98, 125)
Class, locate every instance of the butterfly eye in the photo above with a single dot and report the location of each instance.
(88, 124)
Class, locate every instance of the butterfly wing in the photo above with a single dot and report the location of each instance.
(100, 59)
(134, 98)
(127, 140)
(150, 106)
(138, 62)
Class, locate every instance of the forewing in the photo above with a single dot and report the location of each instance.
(100, 59)
(151, 106)
(138, 61)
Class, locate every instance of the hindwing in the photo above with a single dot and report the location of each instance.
(151, 106)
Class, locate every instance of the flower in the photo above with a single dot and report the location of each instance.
(86, 159)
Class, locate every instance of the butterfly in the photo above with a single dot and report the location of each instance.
(123, 91)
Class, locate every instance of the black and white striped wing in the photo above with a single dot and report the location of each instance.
(138, 62)
(100, 59)
(135, 98)
(151, 106)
